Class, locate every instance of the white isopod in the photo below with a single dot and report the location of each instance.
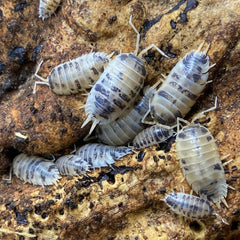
(99, 155)
(151, 136)
(48, 7)
(72, 165)
(190, 206)
(180, 90)
(76, 75)
(117, 88)
(200, 162)
(126, 127)
(35, 170)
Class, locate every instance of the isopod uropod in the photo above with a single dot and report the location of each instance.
(76, 75)
(200, 162)
(35, 170)
(117, 88)
(126, 127)
(190, 206)
(48, 7)
(180, 90)
(99, 155)
(72, 165)
(151, 136)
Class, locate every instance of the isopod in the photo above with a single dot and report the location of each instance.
(200, 162)
(190, 206)
(117, 88)
(75, 75)
(35, 170)
(151, 136)
(72, 165)
(99, 155)
(48, 7)
(180, 90)
(125, 128)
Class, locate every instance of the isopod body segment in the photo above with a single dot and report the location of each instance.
(115, 90)
(126, 127)
(151, 136)
(180, 90)
(200, 162)
(99, 155)
(189, 206)
(75, 75)
(48, 7)
(72, 165)
(35, 170)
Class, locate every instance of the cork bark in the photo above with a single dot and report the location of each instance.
(122, 202)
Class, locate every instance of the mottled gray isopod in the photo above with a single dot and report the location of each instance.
(72, 165)
(76, 75)
(200, 161)
(151, 136)
(35, 170)
(180, 90)
(117, 88)
(190, 206)
(126, 127)
(100, 155)
(48, 7)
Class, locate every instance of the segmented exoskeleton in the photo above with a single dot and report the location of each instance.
(100, 155)
(200, 161)
(35, 170)
(180, 90)
(151, 136)
(126, 127)
(72, 165)
(76, 75)
(48, 7)
(190, 206)
(117, 88)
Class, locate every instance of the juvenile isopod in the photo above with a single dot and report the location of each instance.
(72, 165)
(99, 155)
(180, 90)
(126, 127)
(75, 75)
(190, 206)
(151, 136)
(200, 162)
(35, 170)
(117, 88)
(48, 7)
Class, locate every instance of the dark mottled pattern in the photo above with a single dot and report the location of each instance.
(209, 138)
(123, 56)
(124, 97)
(77, 83)
(119, 103)
(182, 90)
(217, 167)
(102, 90)
(203, 130)
(95, 71)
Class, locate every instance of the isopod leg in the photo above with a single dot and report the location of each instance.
(201, 114)
(138, 35)
(36, 73)
(178, 123)
(152, 46)
(218, 215)
(144, 119)
(44, 80)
